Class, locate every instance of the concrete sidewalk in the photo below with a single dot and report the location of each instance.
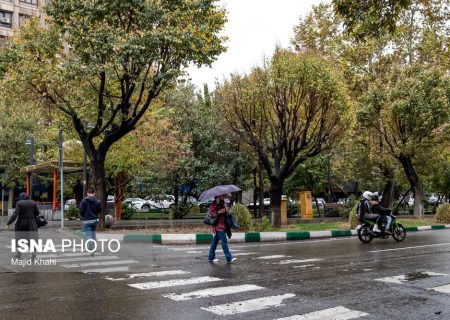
(239, 237)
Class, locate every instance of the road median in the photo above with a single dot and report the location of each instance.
(242, 237)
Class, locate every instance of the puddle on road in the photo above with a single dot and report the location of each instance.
(418, 276)
(410, 277)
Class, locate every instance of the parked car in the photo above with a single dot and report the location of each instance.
(433, 199)
(204, 205)
(320, 201)
(411, 201)
(138, 204)
(161, 202)
(266, 202)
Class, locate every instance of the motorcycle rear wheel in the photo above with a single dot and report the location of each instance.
(399, 233)
(364, 235)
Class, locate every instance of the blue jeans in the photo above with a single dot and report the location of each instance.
(89, 231)
(222, 236)
(388, 224)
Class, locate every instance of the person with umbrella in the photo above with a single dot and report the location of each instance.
(219, 209)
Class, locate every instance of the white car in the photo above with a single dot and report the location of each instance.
(138, 204)
(161, 202)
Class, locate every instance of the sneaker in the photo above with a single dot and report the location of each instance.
(214, 260)
(232, 260)
(375, 229)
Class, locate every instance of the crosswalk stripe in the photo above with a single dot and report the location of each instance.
(338, 313)
(149, 274)
(63, 255)
(99, 263)
(275, 256)
(443, 289)
(90, 258)
(211, 292)
(297, 261)
(249, 305)
(303, 266)
(404, 277)
(173, 283)
(105, 270)
(243, 254)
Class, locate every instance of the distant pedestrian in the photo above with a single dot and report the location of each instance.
(219, 209)
(90, 208)
(78, 192)
(26, 226)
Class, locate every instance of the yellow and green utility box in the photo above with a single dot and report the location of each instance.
(305, 200)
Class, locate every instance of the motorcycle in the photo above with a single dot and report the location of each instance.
(366, 233)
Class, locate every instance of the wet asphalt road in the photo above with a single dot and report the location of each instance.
(293, 278)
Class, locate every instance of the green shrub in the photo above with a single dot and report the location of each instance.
(195, 209)
(179, 211)
(127, 211)
(292, 209)
(352, 220)
(443, 213)
(265, 224)
(243, 216)
(344, 211)
(72, 213)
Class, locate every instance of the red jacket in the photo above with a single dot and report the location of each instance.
(213, 209)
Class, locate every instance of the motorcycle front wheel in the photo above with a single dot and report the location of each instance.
(364, 234)
(399, 233)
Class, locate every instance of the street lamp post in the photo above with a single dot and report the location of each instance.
(30, 142)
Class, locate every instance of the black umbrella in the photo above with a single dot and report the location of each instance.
(218, 191)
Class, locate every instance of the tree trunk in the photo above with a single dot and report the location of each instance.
(414, 182)
(99, 185)
(261, 192)
(276, 191)
(389, 187)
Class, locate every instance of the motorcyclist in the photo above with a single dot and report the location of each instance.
(381, 211)
(365, 210)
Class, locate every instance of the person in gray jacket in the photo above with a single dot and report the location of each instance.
(26, 226)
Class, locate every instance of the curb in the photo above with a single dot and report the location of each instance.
(239, 237)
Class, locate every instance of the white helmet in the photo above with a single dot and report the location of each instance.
(367, 195)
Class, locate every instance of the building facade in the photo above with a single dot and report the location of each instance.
(13, 14)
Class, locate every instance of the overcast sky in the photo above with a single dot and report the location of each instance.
(254, 28)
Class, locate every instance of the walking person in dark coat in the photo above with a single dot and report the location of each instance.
(90, 208)
(26, 226)
(219, 209)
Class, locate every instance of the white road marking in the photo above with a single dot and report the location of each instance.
(275, 256)
(406, 248)
(249, 305)
(195, 252)
(243, 254)
(105, 270)
(88, 258)
(99, 263)
(211, 292)
(338, 313)
(443, 289)
(404, 277)
(149, 274)
(173, 283)
(63, 255)
(297, 261)
(304, 266)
